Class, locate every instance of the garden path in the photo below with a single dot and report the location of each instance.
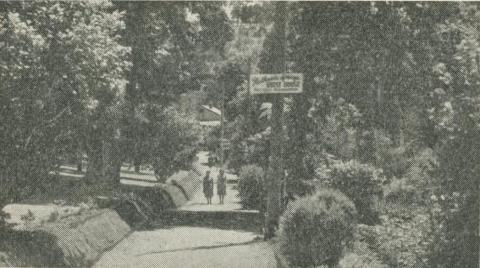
(198, 235)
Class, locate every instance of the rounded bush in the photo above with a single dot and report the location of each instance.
(315, 230)
(362, 183)
(250, 187)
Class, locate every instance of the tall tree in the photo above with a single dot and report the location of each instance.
(173, 45)
(62, 69)
(455, 113)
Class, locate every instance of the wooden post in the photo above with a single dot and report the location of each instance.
(275, 171)
(103, 159)
(249, 97)
(222, 124)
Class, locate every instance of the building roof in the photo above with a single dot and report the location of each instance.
(212, 109)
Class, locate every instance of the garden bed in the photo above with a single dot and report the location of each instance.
(73, 241)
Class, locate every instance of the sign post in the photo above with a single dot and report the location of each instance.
(275, 85)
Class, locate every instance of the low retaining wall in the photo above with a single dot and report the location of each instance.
(159, 195)
(75, 241)
(188, 181)
(176, 194)
(178, 189)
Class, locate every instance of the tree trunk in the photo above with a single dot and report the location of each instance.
(79, 162)
(113, 162)
(134, 29)
(104, 163)
(95, 163)
(137, 166)
(137, 160)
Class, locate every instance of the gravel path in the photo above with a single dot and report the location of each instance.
(191, 247)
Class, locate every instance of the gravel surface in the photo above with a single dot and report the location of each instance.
(189, 246)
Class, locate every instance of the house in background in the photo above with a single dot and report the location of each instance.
(209, 116)
(192, 103)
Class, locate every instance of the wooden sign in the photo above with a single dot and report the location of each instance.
(288, 83)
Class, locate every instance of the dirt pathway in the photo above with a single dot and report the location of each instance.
(198, 235)
(199, 203)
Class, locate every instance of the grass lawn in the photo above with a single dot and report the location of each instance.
(68, 184)
(70, 189)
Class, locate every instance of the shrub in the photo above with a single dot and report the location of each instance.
(353, 260)
(398, 242)
(394, 161)
(361, 183)
(315, 230)
(421, 171)
(250, 187)
(401, 191)
(401, 210)
(454, 231)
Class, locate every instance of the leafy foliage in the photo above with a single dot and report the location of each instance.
(352, 260)
(170, 140)
(61, 67)
(361, 183)
(454, 113)
(250, 187)
(253, 12)
(400, 242)
(451, 228)
(336, 132)
(176, 47)
(311, 223)
(76, 74)
(418, 183)
(400, 191)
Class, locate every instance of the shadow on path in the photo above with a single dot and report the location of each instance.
(225, 220)
(200, 248)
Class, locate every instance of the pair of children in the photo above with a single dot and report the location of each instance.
(221, 186)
